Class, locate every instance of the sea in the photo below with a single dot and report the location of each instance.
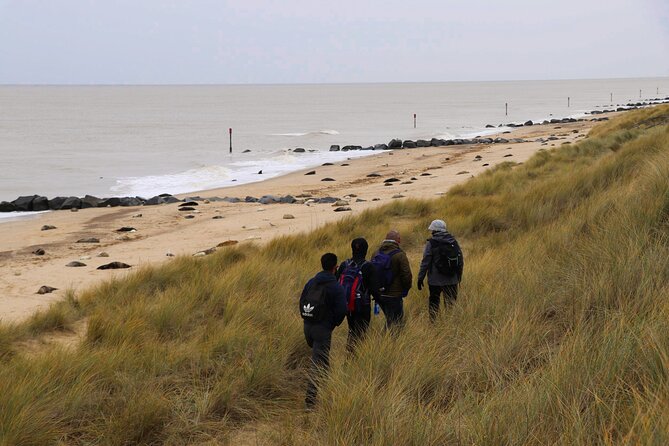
(146, 140)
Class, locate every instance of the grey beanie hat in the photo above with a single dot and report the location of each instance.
(437, 225)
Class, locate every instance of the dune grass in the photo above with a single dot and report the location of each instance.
(560, 334)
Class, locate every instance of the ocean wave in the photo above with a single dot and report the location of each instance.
(190, 180)
(12, 216)
(234, 174)
(314, 133)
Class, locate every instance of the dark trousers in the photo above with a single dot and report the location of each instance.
(319, 338)
(393, 309)
(450, 295)
(358, 323)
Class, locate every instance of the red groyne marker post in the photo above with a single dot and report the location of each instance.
(230, 131)
(414, 120)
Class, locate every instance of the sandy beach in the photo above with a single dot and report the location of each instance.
(163, 230)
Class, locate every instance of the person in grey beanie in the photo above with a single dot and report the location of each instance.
(443, 264)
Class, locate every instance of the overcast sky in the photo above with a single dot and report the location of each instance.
(298, 41)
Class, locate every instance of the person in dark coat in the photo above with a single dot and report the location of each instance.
(359, 309)
(447, 280)
(391, 300)
(318, 334)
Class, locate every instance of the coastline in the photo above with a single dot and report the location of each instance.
(163, 229)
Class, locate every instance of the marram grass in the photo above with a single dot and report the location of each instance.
(560, 334)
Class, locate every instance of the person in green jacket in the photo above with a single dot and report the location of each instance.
(394, 272)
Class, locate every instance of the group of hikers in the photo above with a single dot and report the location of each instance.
(351, 289)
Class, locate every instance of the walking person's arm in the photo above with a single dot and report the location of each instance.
(405, 272)
(424, 264)
(462, 264)
(371, 280)
(337, 297)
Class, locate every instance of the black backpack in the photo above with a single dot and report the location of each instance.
(446, 257)
(313, 307)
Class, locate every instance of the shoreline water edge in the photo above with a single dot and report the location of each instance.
(28, 205)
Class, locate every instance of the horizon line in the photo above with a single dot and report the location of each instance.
(209, 84)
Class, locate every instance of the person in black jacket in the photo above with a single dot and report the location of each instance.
(445, 279)
(318, 334)
(359, 307)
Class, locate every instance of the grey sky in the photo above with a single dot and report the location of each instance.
(295, 41)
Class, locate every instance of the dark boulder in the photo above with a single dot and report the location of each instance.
(395, 144)
(381, 147)
(367, 148)
(89, 240)
(334, 148)
(89, 201)
(328, 200)
(71, 203)
(299, 150)
(153, 201)
(40, 204)
(423, 143)
(408, 144)
(171, 199)
(110, 202)
(268, 199)
(6, 206)
(250, 199)
(189, 203)
(131, 201)
(114, 265)
(436, 142)
(24, 203)
(347, 148)
(231, 199)
(528, 123)
(289, 199)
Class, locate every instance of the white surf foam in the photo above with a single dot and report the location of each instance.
(232, 174)
(313, 133)
(14, 216)
(189, 180)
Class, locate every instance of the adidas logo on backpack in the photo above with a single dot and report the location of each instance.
(307, 309)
